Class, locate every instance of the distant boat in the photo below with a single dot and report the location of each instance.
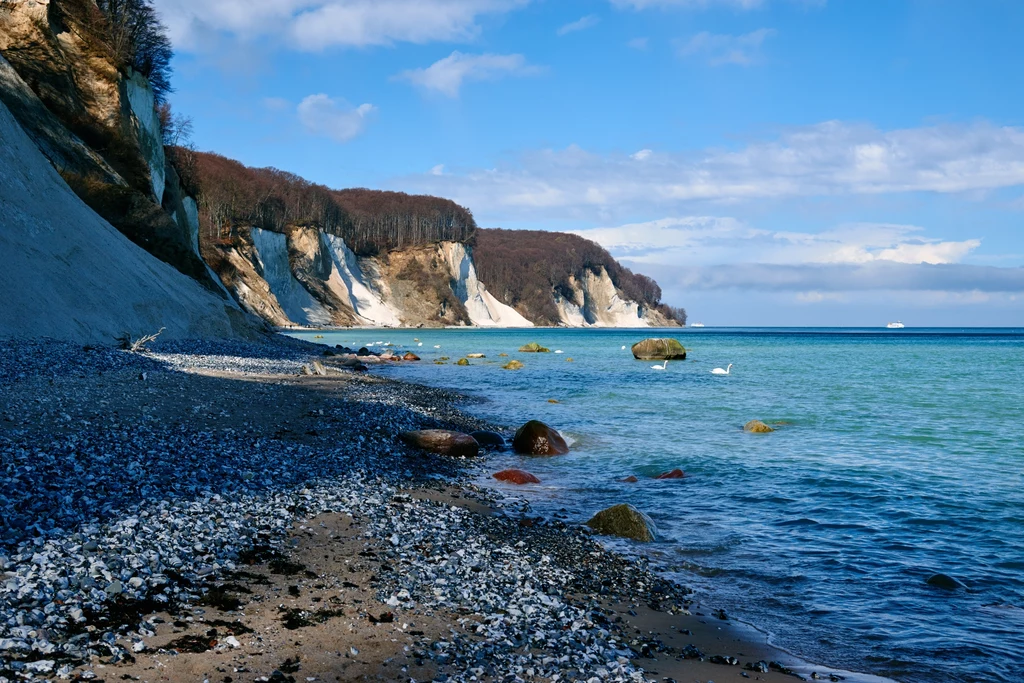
(898, 325)
(697, 325)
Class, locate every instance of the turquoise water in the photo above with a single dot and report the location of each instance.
(901, 457)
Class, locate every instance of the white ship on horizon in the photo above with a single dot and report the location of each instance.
(898, 325)
(697, 325)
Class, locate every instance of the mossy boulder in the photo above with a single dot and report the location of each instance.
(659, 348)
(534, 347)
(462, 361)
(625, 521)
(443, 442)
(757, 427)
(536, 438)
(512, 365)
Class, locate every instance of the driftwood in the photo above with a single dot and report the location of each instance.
(138, 345)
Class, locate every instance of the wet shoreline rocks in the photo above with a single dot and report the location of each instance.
(625, 521)
(443, 442)
(536, 438)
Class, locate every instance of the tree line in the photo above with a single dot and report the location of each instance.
(523, 268)
(233, 196)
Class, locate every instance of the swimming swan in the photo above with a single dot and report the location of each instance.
(720, 371)
(660, 367)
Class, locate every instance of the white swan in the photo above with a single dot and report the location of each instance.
(437, 346)
(720, 371)
(623, 348)
(663, 366)
(420, 344)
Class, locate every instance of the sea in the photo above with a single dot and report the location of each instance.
(897, 455)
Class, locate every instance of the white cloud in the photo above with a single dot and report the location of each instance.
(717, 50)
(336, 119)
(447, 75)
(641, 155)
(437, 170)
(831, 158)
(310, 25)
(709, 240)
(690, 4)
(580, 24)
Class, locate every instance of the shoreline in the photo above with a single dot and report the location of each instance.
(202, 464)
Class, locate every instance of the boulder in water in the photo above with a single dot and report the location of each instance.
(672, 474)
(662, 348)
(475, 355)
(757, 427)
(443, 442)
(512, 365)
(491, 440)
(945, 582)
(625, 521)
(462, 361)
(514, 476)
(631, 479)
(409, 355)
(533, 347)
(536, 438)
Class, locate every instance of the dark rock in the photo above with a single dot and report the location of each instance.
(514, 476)
(409, 355)
(631, 479)
(673, 474)
(663, 348)
(363, 351)
(443, 442)
(945, 582)
(625, 521)
(536, 438)
(491, 440)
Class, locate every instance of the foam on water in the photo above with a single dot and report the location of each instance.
(897, 456)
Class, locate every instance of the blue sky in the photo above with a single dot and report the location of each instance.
(792, 162)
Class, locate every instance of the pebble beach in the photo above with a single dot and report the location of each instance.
(215, 512)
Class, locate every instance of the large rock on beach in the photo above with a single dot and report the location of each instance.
(443, 442)
(662, 348)
(533, 347)
(514, 476)
(491, 440)
(625, 521)
(536, 438)
(757, 427)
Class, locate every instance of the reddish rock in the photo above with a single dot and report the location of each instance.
(631, 479)
(409, 355)
(443, 442)
(516, 477)
(536, 438)
(674, 474)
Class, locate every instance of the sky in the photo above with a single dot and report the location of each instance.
(768, 162)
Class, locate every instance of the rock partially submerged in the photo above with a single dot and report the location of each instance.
(662, 348)
(672, 474)
(409, 355)
(533, 347)
(514, 476)
(475, 355)
(443, 442)
(536, 438)
(512, 365)
(757, 427)
(945, 582)
(625, 521)
(491, 440)
(462, 361)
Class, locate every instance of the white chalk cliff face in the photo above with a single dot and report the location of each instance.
(310, 278)
(143, 116)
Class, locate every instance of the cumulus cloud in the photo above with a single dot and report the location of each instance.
(641, 155)
(830, 158)
(717, 50)
(447, 75)
(705, 240)
(580, 24)
(336, 119)
(312, 25)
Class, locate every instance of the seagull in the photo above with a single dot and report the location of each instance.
(720, 371)
(663, 366)
(437, 346)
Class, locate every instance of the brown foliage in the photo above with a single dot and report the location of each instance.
(524, 267)
(234, 196)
